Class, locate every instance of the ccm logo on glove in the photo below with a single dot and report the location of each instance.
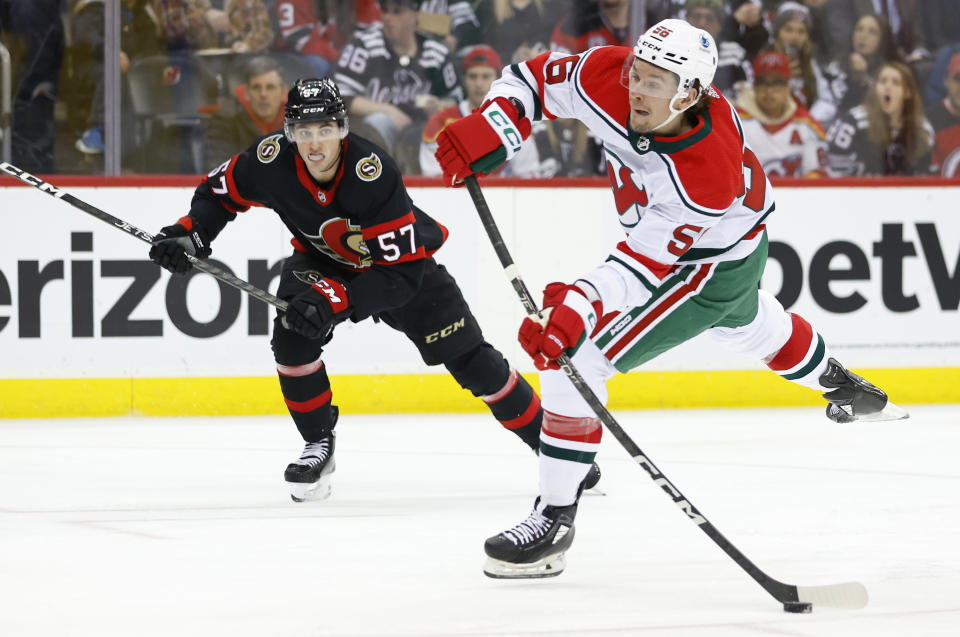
(336, 295)
(314, 312)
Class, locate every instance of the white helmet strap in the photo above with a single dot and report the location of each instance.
(674, 111)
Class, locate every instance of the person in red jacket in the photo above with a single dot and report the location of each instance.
(255, 109)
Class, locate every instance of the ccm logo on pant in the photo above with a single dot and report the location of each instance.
(445, 332)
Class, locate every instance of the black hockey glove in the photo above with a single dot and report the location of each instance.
(173, 243)
(314, 313)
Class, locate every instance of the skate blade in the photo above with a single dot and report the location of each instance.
(889, 412)
(547, 567)
(311, 491)
(595, 491)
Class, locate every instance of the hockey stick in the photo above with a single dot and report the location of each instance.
(797, 599)
(132, 230)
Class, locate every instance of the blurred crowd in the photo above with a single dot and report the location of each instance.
(824, 88)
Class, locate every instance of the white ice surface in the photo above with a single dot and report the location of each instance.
(173, 527)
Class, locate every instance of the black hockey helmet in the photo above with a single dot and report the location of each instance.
(314, 100)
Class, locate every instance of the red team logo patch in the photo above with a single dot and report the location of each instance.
(630, 200)
(342, 242)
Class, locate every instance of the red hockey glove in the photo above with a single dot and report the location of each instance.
(313, 313)
(483, 140)
(568, 315)
(173, 243)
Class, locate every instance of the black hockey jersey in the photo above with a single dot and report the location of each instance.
(361, 227)
(369, 68)
(852, 153)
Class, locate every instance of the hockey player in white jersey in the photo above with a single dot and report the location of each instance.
(692, 199)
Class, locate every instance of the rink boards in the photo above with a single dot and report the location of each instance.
(88, 327)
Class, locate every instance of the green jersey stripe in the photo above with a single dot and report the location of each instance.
(537, 110)
(573, 455)
(635, 273)
(665, 287)
(815, 360)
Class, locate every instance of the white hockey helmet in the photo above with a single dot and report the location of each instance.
(683, 49)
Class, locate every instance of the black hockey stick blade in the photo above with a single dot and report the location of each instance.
(850, 595)
(209, 268)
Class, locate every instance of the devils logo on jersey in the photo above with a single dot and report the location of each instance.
(629, 199)
(341, 241)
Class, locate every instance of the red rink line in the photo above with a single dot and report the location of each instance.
(190, 181)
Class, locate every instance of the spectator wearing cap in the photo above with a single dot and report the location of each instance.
(787, 141)
(944, 116)
(255, 109)
(481, 66)
(791, 32)
(394, 79)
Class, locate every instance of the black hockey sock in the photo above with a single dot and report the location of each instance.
(518, 409)
(487, 374)
(306, 390)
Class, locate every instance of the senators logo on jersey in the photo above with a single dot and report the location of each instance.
(341, 241)
(369, 168)
(309, 277)
(268, 149)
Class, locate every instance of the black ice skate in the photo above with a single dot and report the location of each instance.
(533, 548)
(309, 476)
(854, 398)
(593, 477)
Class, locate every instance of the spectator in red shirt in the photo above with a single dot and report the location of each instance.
(319, 31)
(944, 116)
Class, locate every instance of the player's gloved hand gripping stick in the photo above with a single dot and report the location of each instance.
(195, 261)
(482, 141)
(849, 595)
(314, 312)
(174, 245)
(568, 316)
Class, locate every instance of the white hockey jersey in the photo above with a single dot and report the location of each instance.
(700, 197)
(795, 146)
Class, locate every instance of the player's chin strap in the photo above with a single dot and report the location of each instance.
(674, 112)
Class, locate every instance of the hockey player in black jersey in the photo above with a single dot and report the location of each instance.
(361, 249)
